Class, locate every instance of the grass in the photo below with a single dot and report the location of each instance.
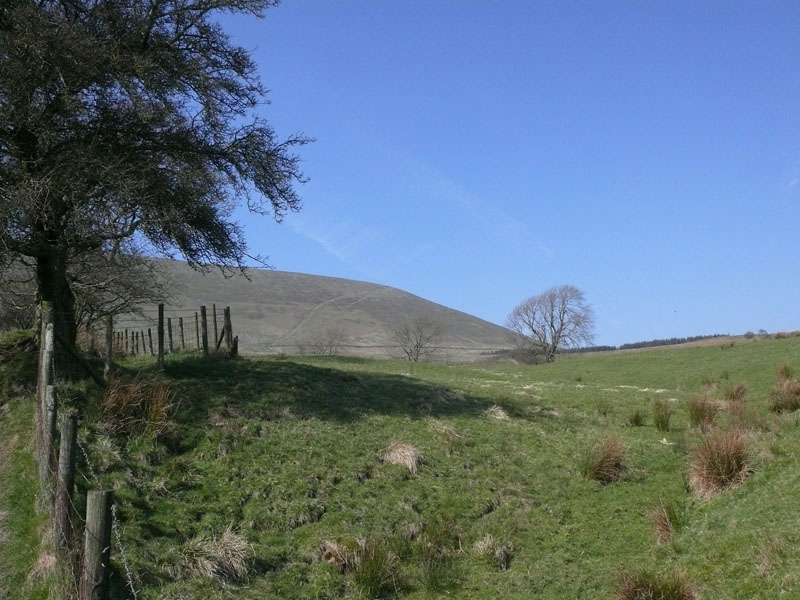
(662, 414)
(288, 454)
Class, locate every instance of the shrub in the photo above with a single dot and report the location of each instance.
(721, 461)
(636, 418)
(662, 412)
(644, 585)
(131, 406)
(668, 519)
(604, 462)
(702, 411)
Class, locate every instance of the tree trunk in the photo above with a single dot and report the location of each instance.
(53, 286)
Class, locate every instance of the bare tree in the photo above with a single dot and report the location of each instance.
(556, 319)
(327, 341)
(418, 337)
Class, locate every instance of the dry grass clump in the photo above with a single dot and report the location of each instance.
(131, 406)
(785, 394)
(720, 462)
(403, 455)
(668, 519)
(496, 412)
(736, 393)
(644, 585)
(499, 554)
(605, 461)
(223, 557)
(702, 411)
(745, 417)
(446, 395)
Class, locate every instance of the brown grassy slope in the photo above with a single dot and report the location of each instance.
(277, 311)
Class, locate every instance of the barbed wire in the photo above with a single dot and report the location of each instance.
(129, 575)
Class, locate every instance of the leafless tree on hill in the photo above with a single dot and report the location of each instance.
(418, 337)
(326, 342)
(558, 318)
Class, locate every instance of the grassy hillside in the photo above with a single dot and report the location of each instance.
(275, 311)
(282, 463)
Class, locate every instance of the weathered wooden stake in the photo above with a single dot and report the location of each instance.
(183, 339)
(45, 351)
(169, 331)
(109, 366)
(66, 480)
(97, 546)
(135, 343)
(197, 329)
(47, 459)
(228, 329)
(160, 332)
(150, 339)
(214, 314)
(204, 325)
(126, 342)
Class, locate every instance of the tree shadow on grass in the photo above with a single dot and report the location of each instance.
(261, 389)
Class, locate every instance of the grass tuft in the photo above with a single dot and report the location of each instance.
(604, 462)
(131, 406)
(496, 553)
(403, 455)
(702, 411)
(662, 412)
(785, 393)
(636, 418)
(224, 557)
(668, 519)
(644, 585)
(497, 412)
(721, 461)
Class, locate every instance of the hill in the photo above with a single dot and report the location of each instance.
(276, 311)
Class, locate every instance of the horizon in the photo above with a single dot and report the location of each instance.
(476, 154)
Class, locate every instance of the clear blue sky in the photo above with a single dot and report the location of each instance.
(475, 153)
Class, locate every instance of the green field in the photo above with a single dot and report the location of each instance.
(288, 453)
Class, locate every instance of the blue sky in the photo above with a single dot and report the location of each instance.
(475, 153)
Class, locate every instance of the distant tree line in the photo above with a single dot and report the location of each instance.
(647, 344)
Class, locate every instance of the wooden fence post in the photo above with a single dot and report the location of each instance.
(214, 314)
(160, 332)
(183, 339)
(45, 351)
(66, 480)
(109, 366)
(204, 325)
(169, 331)
(197, 329)
(97, 545)
(47, 460)
(228, 328)
(150, 339)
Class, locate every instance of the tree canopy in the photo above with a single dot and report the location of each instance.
(123, 118)
(557, 319)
